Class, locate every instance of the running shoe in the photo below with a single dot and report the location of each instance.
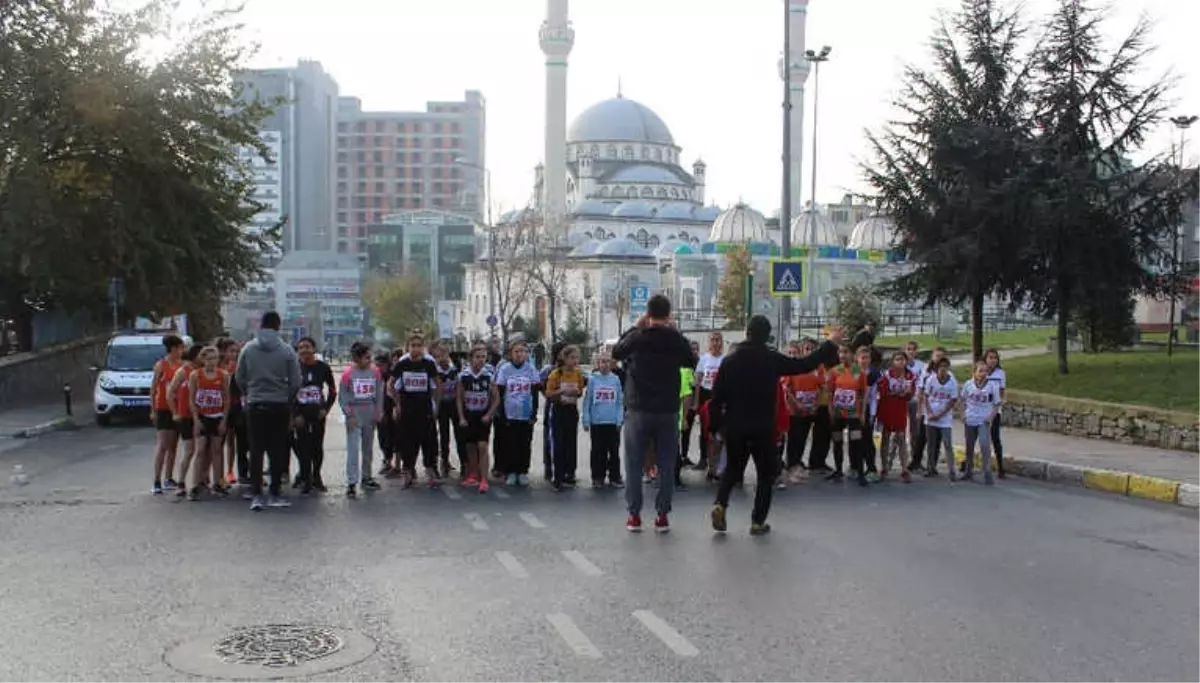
(170, 484)
(231, 477)
(523, 480)
(597, 483)
(780, 482)
(757, 529)
(987, 479)
(320, 486)
(510, 480)
(278, 502)
(350, 492)
(157, 489)
(718, 518)
(257, 504)
(406, 479)
(193, 496)
(617, 483)
(371, 483)
(431, 477)
(181, 492)
(930, 473)
(872, 477)
(634, 523)
(661, 524)
(470, 481)
(483, 486)
(905, 477)
(862, 481)
(837, 475)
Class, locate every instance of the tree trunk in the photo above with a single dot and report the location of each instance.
(23, 323)
(977, 326)
(552, 303)
(1061, 342)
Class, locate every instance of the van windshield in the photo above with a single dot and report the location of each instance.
(133, 358)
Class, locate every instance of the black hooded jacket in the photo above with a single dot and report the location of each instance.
(747, 382)
(652, 356)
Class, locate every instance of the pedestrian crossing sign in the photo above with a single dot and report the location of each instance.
(787, 278)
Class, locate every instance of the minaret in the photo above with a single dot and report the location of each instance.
(797, 17)
(557, 37)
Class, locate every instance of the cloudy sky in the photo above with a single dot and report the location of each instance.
(707, 67)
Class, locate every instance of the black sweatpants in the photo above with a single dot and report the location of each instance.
(818, 454)
(565, 433)
(417, 434)
(311, 442)
(548, 440)
(685, 434)
(997, 445)
(500, 456)
(517, 448)
(386, 434)
(741, 447)
(799, 427)
(448, 427)
(241, 441)
(270, 431)
(606, 452)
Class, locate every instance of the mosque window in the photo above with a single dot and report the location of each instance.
(645, 152)
(647, 192)
(674, 193)
(653, 243)
(627, 153)
(611, 151)
(595, 151)
(618, 192)
(657, 154)
(603, 192)
(643, 238)
(662, 192)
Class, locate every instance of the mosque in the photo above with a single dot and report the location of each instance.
(629, 218)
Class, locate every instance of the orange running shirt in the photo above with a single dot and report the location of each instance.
(167, 370)
(210, 393)
(806, 389)
(183, 400)
(847, 386)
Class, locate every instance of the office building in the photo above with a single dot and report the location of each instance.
(319, 294)
(437, 244)
(390, 161)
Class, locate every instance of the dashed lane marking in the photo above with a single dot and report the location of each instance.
(512, 564)
(572, 636)
(582, 563)
(110, 447)
(1021, 492)
(476, 521)
(669, 636)
(532, 520)
(451, 492)
(502, 494)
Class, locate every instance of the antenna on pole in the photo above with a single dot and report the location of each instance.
(619, 95)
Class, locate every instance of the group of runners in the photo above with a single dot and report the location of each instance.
(231, 409)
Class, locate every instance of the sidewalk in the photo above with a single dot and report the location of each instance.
(41, 418)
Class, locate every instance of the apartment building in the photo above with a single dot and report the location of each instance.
(392, 161)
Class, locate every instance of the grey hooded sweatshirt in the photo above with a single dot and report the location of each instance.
(268, 371)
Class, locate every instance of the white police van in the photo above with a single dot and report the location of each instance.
(123, 380)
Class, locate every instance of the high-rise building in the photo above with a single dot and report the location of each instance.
(298, 183)
(390, 161)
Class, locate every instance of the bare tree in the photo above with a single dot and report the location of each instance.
(548, 273)
(512, 280)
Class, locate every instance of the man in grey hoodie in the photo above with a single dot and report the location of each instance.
(268, 373)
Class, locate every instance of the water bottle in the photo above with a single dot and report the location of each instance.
(19, 478)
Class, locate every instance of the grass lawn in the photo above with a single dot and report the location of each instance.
(1006, 339)
(1145, 378)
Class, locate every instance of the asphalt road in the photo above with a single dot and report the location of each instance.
(100, 580)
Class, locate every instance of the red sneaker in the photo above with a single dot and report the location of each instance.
(661, 524)
(634, 523)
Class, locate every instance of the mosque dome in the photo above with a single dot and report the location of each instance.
(594, 207)
(587, 248)
(622, 246)
(739, 224)
(669, 247)
(644, 173)
(619, 120)
(706, 213)
(877, 232)
(634, 209)
(812, 229)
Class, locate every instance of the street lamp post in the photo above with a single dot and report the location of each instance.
(814, 58)
(1182, 123)
(491, 232)
(785, 211)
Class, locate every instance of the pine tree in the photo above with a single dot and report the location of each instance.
(731, 290)
(946, 170)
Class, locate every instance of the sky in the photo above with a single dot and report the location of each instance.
(707, 67)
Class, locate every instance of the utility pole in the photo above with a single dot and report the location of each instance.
(785, 212)
(1182, 123)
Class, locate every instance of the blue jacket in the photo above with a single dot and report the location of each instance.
(603, 401)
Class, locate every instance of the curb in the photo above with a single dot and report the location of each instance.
(55, 425)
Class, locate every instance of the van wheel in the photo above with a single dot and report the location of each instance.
(103, 420)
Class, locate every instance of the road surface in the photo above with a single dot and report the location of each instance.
(99, 580)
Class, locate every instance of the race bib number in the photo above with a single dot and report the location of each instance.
(605, 395)
(899, 386)
(845, 398)
(475, 401)
(979, 397)
(414, 382)
(707, 381)
(449, 385)
(568, 387)
(309, 395)
(519, 386)
(806, 399)
(208, 398)
(364, 388)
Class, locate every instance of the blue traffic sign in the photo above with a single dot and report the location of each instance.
(492, 320)
(787, 278)
(639, 296)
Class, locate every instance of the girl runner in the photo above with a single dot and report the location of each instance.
(865, 358)
(848, 391)
(361, 401)
(564, 387)
(181, 407)
(981, 402)
(237, 447)
(603, 415)
(803, 392)
(518, 381)
(160, 413)
(896, 387)
(318, 393)
(447, 412)
(939, 397)
(687, 388)
(997, 376)
(208, 394)
(554, 361)
(417, 393)
(706, 374)
(476, 399)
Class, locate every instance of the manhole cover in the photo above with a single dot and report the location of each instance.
(272, 651)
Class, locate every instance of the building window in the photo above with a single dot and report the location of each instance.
(455, 172)
(379, 188)
(342, 188)
(360, 127)
(342, 217)
(341, 202)
(380, 172)
(437, 188)
(627, 153)
(362, 186)
(647, 192)
(378, 156)
(594, 151)
(342, 172)
(455, 127)
(437, 126)
(360, 217)
(662, 192)
(360, 156)
(611, 152)
(645, 152)
(341, 127)
(437, 173)
(416, 157)
(343, 247)
(618, 192)
(656, 154)
(674, 193)
(378, 141)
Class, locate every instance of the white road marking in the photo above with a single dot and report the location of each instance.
(451, 492)
(110, 447)
(665, 633)
(501, 494)
(514, 567)
(476, 521)
(1021, 492)
(582, 563)
(532, 520)
(574, 638)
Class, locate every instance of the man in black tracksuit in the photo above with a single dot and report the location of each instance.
(744, 394)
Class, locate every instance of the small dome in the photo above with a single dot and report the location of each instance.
(739, 224)
(675, 212)
(587, 248)
(812, 229)
(594, 207)
(644, 173)
(668, 248)
(634, 209)
(684, 249)
(707, 214)
(876, 232)
(622, 246)
(619, 120)
(577, 238)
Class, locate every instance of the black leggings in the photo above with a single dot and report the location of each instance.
(799, 427)
(447, 427)
(417, 435)
(269, 432)
(997, 445)
(310, 443)
(565, 433)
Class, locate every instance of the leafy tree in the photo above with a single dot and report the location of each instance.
(528, 331)
(946, 170)
(114, 166)
(855, 306)
(401, 304)
(575, 332)
(731, 290)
